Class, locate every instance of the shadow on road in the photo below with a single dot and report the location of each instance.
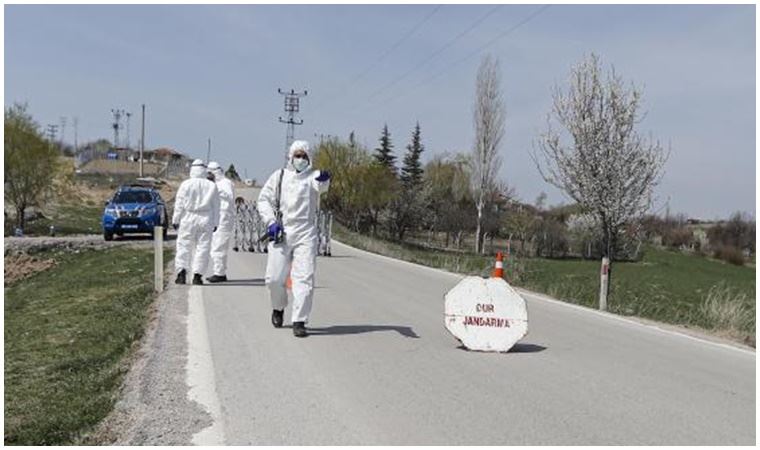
(526, 348)
(241, 282)
(358, 329)
(517, 348)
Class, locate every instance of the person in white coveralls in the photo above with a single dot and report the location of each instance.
(288, 206)
(196, 216)
(220, 241)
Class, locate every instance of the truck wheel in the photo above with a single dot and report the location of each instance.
(108, 235)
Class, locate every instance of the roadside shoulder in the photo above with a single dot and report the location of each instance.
(684, 332)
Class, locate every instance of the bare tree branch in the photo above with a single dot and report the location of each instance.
(489, 116)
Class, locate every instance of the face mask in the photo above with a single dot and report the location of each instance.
(300, 164)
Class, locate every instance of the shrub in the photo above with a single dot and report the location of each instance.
(730, 254)
(728, 311)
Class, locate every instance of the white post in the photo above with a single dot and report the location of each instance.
(158, 260)
(604, 288)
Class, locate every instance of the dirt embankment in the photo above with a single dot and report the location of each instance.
(20, 266)
(28, 255)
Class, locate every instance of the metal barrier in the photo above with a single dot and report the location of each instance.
(324, 227)
(249, 228)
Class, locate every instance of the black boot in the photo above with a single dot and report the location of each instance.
(197, 279)
(216, 278)
(277, 317)
(299, 329)
(180, 277)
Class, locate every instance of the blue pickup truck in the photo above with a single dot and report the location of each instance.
(134, 209)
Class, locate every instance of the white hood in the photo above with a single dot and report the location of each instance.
(198, 169)
(296, 146)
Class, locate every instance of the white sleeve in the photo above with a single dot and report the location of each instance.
(215, 207)
(320, 186)
(266, 201)
(232, 196)
(179, 204)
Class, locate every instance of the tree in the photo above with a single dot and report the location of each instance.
(738, 232)
(376, 188)
(600, 161)
(231, 173)
(384, 154)
(344, 161)
(30, 161)
(519, 222)
(489, 116)
(411, 171)
(447, 179)
(408, 207)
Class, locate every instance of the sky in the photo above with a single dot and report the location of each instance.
(207, 71)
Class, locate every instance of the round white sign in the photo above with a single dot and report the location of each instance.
(485, 314)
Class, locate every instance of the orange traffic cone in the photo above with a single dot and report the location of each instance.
(498, 268)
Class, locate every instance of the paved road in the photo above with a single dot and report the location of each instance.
(379, 368)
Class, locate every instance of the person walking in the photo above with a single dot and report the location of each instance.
(220, 241)
(196, 217)
(288, 206)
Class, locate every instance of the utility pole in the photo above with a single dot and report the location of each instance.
(129, 114)
(292, 107)
(51, 132)
(76, 134)
(142, 140)
(117, 113)
(208, 153)
(63, 133)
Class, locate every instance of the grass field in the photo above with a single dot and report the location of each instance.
(69, 219)
(664, 286)
(68, 332)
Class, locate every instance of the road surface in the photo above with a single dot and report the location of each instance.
(379, 368)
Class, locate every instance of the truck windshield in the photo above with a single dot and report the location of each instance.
(133, 197)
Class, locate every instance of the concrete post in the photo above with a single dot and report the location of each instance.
(158, 260)
(605, 284)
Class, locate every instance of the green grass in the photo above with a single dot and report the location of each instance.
(664, 286)
(460, 262)
(68, 219)
(67, 333)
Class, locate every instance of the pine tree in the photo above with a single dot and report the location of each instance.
(411, 172)
(384, 154)
(232, 174)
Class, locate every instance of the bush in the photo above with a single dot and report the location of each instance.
(678, 237)
(730, 254)
(728, 311)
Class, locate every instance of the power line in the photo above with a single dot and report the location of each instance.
(440, 73)
(384, 55)
(436, 53)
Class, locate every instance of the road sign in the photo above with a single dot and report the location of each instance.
(485, 314)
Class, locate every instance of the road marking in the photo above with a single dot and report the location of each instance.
(200, 370)
(568, 305)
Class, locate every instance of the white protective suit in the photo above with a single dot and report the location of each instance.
(220, 242)
(196, 210)
(298, 253)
